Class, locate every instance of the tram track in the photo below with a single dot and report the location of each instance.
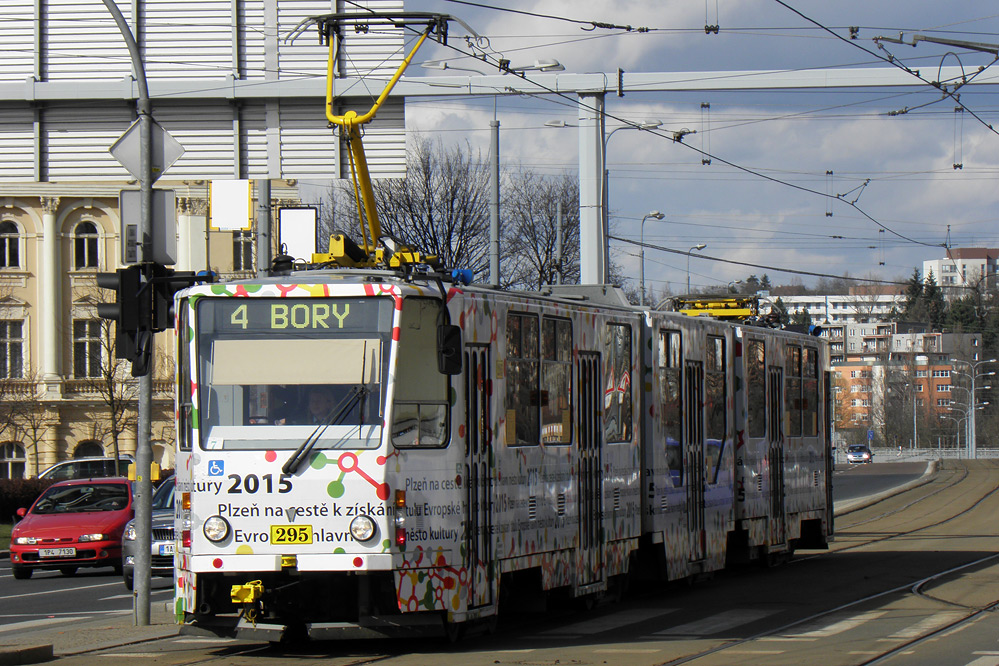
(917, 589)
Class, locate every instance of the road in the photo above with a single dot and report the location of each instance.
(910, 580)
(48, 598)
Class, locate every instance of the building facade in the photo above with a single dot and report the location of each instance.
(962, 269)
(243, 100)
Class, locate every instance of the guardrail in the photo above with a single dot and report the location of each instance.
(908, 454)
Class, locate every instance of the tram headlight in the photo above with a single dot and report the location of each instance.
(216, 529)
(362, 528)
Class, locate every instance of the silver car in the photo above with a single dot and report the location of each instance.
(161, 553)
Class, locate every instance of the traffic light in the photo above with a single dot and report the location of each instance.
(125, 310)
(167, 282)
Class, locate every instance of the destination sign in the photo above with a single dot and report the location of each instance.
(315, 316)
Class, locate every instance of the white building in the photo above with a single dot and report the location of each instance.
(841, 309)
(963, 268)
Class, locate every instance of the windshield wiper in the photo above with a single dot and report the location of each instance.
(336, 415)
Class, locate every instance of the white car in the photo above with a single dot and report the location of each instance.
(858, 453)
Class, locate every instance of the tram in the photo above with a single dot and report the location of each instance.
(372, 446)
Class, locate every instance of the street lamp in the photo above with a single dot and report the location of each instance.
(698, 247)
(973, 400)
(731, 285)
(603, 198)
(657, 215)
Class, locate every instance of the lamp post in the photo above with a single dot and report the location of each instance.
(698, 247)
(657, 215)
(603, 270)
(731, 285)
(494, 165)
(973, 375)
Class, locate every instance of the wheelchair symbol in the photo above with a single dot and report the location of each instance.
(216, 468)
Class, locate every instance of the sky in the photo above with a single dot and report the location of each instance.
(751, 203)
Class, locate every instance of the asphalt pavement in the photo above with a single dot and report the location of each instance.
(92, 634)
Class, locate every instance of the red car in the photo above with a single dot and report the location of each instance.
(72, 524)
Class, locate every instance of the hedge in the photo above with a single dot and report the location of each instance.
(17, 493)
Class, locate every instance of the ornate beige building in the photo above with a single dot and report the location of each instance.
(59, 382)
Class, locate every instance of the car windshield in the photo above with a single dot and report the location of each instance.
(163, 497)
(82, 498)
(857, 449)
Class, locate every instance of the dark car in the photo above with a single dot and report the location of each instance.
(858, 453)
(162, 545)
(73, 524)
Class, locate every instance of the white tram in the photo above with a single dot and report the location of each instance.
(577, 435)
(366, 451)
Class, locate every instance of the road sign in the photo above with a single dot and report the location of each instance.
(163, 226)
(870, 435)
(128, 150)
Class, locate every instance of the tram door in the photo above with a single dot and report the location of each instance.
(693, 384)
(775, 455)
(478, 445)
(590, 479)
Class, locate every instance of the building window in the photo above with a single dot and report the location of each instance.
(86, 348)
(88, 449)
(9, 245)
(943, 402)
(11, 346)
(919, 402)
(242, 250)
(920, 373)
(85, 239)
(943, 388)
(919, 388)
(11, 461)
(941, 373)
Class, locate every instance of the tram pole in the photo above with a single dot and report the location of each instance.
(143, 453)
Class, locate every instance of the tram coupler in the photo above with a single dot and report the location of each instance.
(248, 593)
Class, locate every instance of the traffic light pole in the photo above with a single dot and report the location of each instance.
(143, 453)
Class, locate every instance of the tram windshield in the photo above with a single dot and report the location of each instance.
(272, 369)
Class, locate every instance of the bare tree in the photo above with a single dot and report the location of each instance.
(531, 254)
(441, 207)
(31, 420)
(110, 378)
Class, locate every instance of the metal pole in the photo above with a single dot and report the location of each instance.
(264, 226)
(558, 241)
(642, 251)
(143, 453)
(494, 188)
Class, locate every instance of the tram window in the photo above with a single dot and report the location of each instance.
(792, 390)
(556, 381)
(670, 359)
(420, 411)
(617, 393)
(523, 395)
(714, 406)
(810, 393)
(268, 369)
(756, 388)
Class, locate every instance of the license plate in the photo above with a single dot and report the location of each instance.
(166, 549)
(291, 534)
(57, 552)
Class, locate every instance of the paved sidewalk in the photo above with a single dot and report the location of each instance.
(84, 636)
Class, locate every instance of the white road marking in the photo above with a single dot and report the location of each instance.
(717, 623)
(31, 624)
(839, 627)
(607, 623)
(60, 591)
(929, 625)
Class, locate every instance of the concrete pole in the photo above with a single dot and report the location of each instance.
(592, 235)
(143, 453)
(494, 204)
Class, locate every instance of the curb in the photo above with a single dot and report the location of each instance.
(13, 655)
(856, 505)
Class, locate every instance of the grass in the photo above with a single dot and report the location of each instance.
(5, 529)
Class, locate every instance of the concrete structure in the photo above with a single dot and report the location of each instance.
(242, 101)
(962, 269)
